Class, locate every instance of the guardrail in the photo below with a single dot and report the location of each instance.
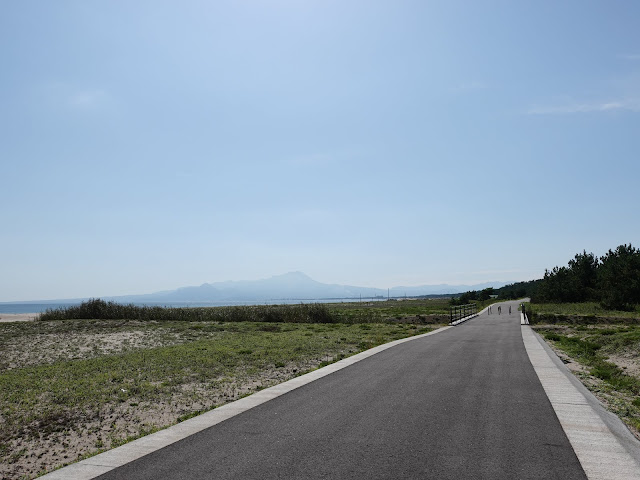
(458, 312)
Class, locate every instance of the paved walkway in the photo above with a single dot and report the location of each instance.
(463, 403)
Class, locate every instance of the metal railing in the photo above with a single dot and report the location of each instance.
(458, 312)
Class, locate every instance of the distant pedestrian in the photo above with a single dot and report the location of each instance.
(509, 309)
(499, 309)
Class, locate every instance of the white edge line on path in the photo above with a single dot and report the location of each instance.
(603, 444)
(99, 464)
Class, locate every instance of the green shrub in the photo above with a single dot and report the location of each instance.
(100, 309)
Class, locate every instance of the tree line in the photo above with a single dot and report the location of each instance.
(613, 280)
(508, 292)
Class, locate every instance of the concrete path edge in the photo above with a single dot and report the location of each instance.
(604, 446)
(102, 463)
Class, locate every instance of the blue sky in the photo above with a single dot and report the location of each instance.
(148, 145)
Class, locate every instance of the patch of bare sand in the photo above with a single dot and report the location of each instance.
(629, 362)
(18, 317)
(46, 348)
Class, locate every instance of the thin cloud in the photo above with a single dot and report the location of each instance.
(632, 105)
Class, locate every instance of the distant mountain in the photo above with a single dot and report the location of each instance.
(289, 286)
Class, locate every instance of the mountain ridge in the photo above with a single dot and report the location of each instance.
(292, 286)
(288, 286)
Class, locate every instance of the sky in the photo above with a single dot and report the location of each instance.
(150, 145)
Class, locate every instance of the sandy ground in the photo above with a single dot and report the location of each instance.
(50, 441)
(630, 363)
(17, 317)
(115, 422)
(47, 348)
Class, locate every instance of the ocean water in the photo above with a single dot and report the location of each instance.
(31, 307)
(42, 307)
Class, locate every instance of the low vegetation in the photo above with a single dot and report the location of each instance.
(606, 359)
(100, 309)
(413, 310)
(76, 386)
(580, 314)
(424, 311)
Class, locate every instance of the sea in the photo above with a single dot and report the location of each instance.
(29, 307)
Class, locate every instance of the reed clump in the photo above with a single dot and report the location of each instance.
(97, 309)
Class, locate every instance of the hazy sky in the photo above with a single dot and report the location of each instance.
(148, 145)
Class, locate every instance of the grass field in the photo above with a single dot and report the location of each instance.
(72, 388)
(413, 310)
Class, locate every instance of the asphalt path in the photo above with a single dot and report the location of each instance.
(462, 404)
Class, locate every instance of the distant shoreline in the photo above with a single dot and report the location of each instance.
(31, 307)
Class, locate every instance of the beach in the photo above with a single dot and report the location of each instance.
(17, 317)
